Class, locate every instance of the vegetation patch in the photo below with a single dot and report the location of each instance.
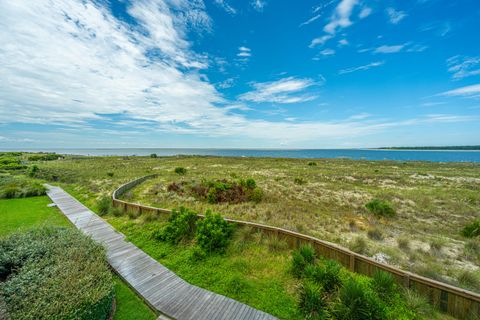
(380, 208)
(45, 157)
(329, 291)
(10, 161)
(219, 191)
(472, 229)
(19, 187)
(54, 273)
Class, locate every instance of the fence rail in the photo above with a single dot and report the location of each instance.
(457, 302)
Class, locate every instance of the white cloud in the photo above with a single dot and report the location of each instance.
(320, 40)
(312, 19)
(395, 16)
(462, 66)
(468, 91)
(259, 5)
(365, 12)
(362, 68)
(285, 91)
(327, 52)
(226, 6)
(244, 52)
(389, 49)
(341, 17)
(343, 42)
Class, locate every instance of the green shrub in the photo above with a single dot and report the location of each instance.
(384, 285)
(180, 170)
(359, 245)
(54, 273)
(312, 163)
(103, 205)
(180, 226)
(312, 302)
(380, 208)
(299, 181)
(32, 171)
(250, 183)
(110, 174)
(20, 187)
(302, 258)
(45, 157)
(326, 275)
(472, 229)
(358, 302)
(153, 155)
(213, 232)
(256, 195)
(418, 304)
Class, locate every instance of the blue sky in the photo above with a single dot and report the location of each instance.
(239, 74)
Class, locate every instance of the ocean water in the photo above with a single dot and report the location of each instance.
(365, 154)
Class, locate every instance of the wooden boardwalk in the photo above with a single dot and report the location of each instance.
(162, 289)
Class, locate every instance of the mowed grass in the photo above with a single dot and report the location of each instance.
(254, 270)
(25, 213)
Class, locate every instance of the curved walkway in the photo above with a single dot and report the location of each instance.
(162, 289)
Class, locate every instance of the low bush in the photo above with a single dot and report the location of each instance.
(358, 302)
(180, 226)
(359, 245)
(299, 181)
(301, 259)
(213, 232)
(20, 187)
(375, 234)
(380, 208)
(9, 163)
(104, 205)
(312, 302)
(472, 229)
(384, 284)
(153, 155)
(327, 275)
(54, 273)
(312, 163)
(45, 157)
(219, 191)
(181, 171)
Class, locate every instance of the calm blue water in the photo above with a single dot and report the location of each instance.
(367, 154)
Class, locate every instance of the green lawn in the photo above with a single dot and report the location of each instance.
(18, 214)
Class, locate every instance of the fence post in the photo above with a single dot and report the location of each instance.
(406, 280)
(352, 262)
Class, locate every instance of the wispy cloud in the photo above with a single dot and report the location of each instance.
(467, 91)
(462, 66)
(365, 12)
(340, 19)
(259, 5)
(362, 68)
(389, 49)
(285, 91)
(226, 6)
(395, 16)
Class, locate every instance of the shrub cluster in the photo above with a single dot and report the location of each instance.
(212, 233)
(329, 291)
(181, 171)
(45, 157)
(380, 208)
(54, 273)
(180, 226)
(19, 187)
(472, 229)
(219, 191)
(10, 161)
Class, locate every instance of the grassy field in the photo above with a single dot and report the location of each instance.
(18, 214)
(433, 201)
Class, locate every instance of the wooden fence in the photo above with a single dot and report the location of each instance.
(457, 302)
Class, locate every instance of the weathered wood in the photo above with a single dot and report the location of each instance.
(167, 293)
